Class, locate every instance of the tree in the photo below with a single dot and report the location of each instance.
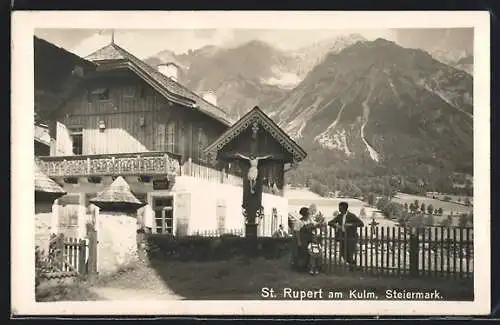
(450, 219)
(319, 218)
(440, 211)
(422, 208)
(371, 199)
(447, 198)
(406, 206)
(393, 210)
(470, 219)
(362, 213)
(467, 202)
(382, 204)
(413, 207)
(430, 209)
(462, 220)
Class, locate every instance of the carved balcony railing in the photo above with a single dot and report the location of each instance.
(144, 163)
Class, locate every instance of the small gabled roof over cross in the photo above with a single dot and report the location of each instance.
(256, 115)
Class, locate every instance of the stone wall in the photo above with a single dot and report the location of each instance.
(43, 224)
(117, 241)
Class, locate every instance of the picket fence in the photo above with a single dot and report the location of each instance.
(67, 257)
(422, 252)
(396, 250)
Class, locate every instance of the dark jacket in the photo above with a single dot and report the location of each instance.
(350, 231)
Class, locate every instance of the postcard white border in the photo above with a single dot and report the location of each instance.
(22, 229)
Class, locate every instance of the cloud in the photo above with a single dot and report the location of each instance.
(91, 43)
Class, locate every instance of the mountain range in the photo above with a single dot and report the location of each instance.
(368, 108)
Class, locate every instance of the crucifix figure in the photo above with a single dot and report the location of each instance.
(253, 171)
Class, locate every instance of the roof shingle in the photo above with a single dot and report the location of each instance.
(113, 52)
(117, 195)
(44, 184)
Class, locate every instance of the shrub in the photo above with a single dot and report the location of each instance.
(463, 220)
(197, 248)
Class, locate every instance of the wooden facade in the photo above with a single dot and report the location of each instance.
(124, 118)
(117, 112)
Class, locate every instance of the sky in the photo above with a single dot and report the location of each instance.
(145, 43)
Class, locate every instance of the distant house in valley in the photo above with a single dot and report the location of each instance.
(117, 116)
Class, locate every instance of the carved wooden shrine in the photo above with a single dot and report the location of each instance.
(261, 150)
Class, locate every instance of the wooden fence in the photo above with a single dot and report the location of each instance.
(219, 232)
(67, 257)
(428, 252)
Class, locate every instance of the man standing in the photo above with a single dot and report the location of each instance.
(345, 224)
(280, 233)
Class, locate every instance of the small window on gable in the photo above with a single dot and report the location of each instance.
(100, 93)
(129, 92)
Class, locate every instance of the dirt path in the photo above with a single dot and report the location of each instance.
(141, 283)
(113, 293)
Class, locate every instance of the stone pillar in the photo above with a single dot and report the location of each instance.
(117, 241)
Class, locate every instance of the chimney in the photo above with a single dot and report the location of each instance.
(210, 97)
(170, 70)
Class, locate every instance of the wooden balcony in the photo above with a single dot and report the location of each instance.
(204, 171)
(143, 163)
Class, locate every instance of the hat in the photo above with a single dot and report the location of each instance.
(304, 212)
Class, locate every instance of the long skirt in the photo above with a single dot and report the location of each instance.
(300, 257)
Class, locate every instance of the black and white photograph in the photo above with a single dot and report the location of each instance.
(251, 163)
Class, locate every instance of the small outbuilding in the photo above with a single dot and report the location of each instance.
(116, 226)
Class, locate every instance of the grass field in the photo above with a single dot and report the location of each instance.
(447, 207)
(328, 206)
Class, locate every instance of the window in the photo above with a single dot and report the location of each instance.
(164, 214)
(129, 91)
(76, 135)
(100, 93)
(171, 140)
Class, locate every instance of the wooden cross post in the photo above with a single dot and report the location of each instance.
(252, 202)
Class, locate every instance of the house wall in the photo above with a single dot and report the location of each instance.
(205, 197)
(136, 119)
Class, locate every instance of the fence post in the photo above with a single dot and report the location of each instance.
(81, 257)
(414, 247)
(92, 267)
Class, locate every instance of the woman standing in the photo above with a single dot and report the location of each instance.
(303, 229)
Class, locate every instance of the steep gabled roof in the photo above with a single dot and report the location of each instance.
(113, 54)
(257, 115)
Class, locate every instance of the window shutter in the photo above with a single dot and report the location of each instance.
(64, 144)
